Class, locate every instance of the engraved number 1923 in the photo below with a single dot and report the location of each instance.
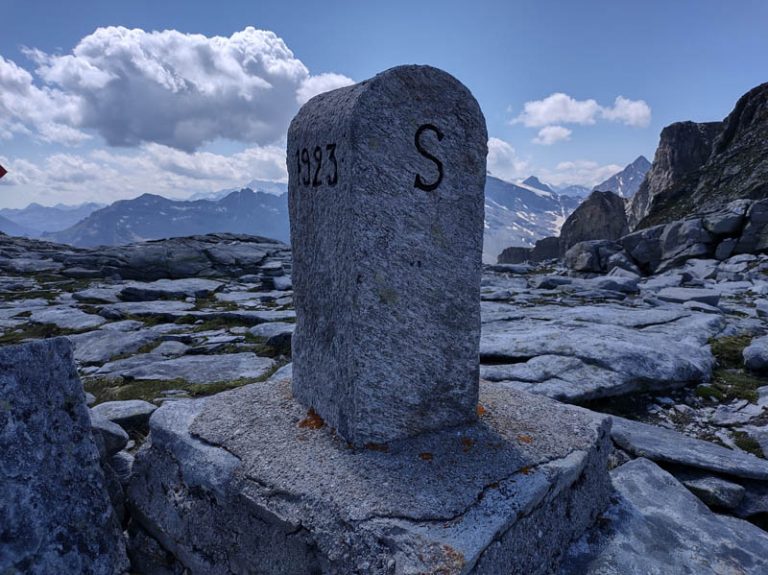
(314, 169)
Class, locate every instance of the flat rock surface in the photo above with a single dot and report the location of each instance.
(656, 526)
(55, 515)
(191, 368)
(588, 352)
(668, 446)
(67, 318)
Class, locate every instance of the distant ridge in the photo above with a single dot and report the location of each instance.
(151, 217)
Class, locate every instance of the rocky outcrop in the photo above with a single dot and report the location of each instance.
(514, 255)
(56, 514)
(546, 249)
(700, 167)
(600, 217)
(740, 227)
(210, 256)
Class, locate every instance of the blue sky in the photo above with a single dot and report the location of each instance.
(81, 120)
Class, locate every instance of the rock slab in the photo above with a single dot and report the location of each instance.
(55, 513)
(246, 478)
(657, 526)
(386, 200)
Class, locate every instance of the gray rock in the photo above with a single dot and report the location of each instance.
(191, 368)
(169, 289)
(56, 515)
(728, 220)
(600, 217)
(386, 203)
(644, 247)
(701, 307)
(165, 310)
(591, 256)
(98, 295)
(682, 295)
(276, 334)
(657, 527)
(131, 414)
(589, 352)
(515, 255)
(728, 415)
(122, 464)
(66, 318)
(667, 446)
(546, 249)
(100, 346)
(109, 436)
(754, 236)
(716, 492)
(756, 355)
(725, 248)
(501, 496)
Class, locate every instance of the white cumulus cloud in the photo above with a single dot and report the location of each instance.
(548, 135)
(503, 161)
(48, 114)
(630, 112)
(170, 88)
(560, 108)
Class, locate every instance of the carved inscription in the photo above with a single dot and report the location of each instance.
(419, 182)
(317, 167)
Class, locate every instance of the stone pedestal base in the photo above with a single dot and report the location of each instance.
(246, 482)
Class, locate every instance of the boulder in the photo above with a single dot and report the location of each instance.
(591, 256)
(657, 526)
(600, 217)
(728, 220)
(514, 255)
(56, 515)
(756, 355)
(754, 236)
(546, 249)
(682, 295)
(131, 414)
(644, 247)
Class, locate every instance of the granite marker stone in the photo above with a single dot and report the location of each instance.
(386, 201)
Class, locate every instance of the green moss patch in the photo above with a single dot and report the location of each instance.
(728, 350)
(150, 389)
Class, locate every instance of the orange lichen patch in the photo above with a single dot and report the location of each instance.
(455, 560)
(525, 439)
(426, 456)
(467, 443)
(383, 447)
(312, 421)
(526, 470)
(481, 411)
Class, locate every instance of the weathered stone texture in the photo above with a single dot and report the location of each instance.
(55, 513)
(386, 268)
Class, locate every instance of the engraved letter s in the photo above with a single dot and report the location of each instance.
(419, 183)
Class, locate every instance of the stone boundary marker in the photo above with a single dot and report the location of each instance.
(386, 199)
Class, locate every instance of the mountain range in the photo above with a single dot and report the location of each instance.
(519, 214)
(516, 214)
(150, 217)
(35, 219)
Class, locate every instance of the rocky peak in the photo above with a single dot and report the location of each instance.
(535, 182)
(699, 167)
(627, 181)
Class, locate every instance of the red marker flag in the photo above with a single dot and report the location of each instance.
(3, 171)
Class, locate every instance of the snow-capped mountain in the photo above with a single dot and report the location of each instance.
(521, 213)
(269, 187)
(573, 190)
(628, 180)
